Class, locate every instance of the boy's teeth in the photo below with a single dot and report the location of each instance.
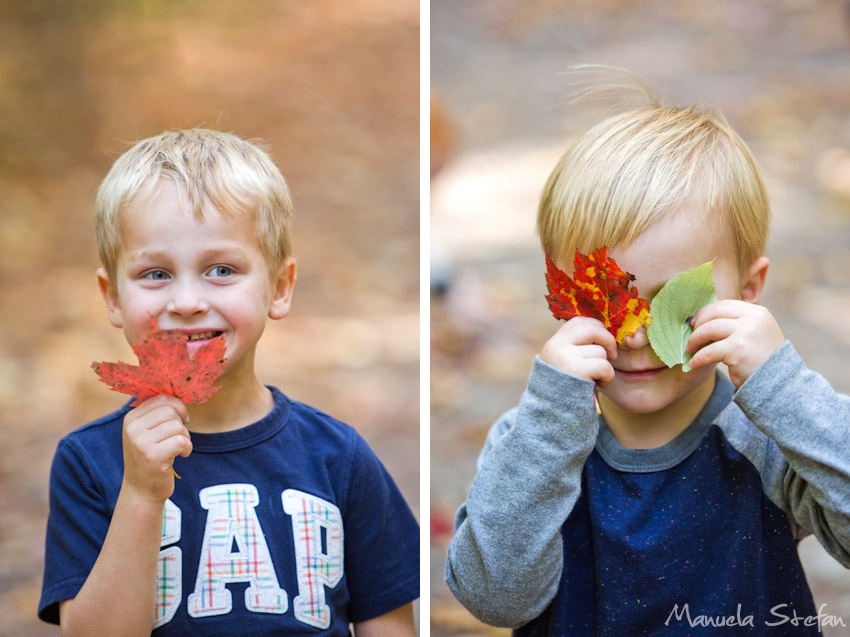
(202, 336)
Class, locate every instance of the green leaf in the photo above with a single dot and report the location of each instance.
(672, 308)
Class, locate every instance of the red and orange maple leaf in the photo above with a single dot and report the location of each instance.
(167, 367)
(599, 289)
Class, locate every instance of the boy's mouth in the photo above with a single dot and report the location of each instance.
(638, 374)
(203, 336)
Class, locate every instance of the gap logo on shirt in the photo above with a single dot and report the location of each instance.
(234, 549)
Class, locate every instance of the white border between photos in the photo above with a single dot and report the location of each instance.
(424, 622)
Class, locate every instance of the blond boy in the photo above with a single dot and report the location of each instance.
(681, 503)
(284, 521)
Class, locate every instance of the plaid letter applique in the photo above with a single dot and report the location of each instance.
(232, 524)
(234, 549)
(317, 530)
(169, 573)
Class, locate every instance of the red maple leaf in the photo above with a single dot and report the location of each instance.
(167, 367)
(599, 289)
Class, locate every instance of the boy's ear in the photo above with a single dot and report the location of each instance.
(753, 284)
(283, 286)
(110, 295)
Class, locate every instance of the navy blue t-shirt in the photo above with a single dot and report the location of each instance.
(290, 525)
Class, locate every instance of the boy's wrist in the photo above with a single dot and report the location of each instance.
(563, 391)
(139, 500)
(769, 377)
(546, 374)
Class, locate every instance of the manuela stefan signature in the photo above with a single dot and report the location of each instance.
(780, 614)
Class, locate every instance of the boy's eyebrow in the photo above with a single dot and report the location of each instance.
(147, 255)
(224, 252)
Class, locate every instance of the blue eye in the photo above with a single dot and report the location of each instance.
(221, 271)
(157, 275)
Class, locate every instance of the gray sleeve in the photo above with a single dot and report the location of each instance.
(505, 560)
(805, 463)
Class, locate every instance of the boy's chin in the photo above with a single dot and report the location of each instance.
(671, 386)
(640, 404)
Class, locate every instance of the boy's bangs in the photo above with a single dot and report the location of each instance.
(206, 178)
(631, 171)
(607, 205)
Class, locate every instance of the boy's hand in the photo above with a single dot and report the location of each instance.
(583, 348)
(154, 434)
(738, 333)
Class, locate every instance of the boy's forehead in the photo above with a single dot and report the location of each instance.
(167, 192)
(171, 197)
(674, 244)
(166, 219)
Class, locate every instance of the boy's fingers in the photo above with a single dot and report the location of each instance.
(175, 446)
(712, 331)
(611, 347)
(599, 370)
(167, 429)
(595, 351)
(156, 416)
(700, 359)
(578, 342)
(586, 331)
(186, 447)
(177, 405)
(713, 353)
(163, 414)
(727, 308)
(704, 357)
(603, 373)
(580, 328)
(162, 400)
(151, 442)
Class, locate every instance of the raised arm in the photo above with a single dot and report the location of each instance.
(505, 560)
(119, 593)
(806, 466)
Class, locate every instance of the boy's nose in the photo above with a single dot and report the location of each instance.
(186, 301)
(637, 340)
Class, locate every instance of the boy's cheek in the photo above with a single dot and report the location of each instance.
(726, 279)
(135, 317)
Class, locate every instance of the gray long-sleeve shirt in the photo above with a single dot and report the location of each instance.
(565, 530)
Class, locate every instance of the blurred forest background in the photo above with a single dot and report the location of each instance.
(331, 86)
(780, 71)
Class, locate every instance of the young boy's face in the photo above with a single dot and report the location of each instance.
(642, 383)
(203, 278)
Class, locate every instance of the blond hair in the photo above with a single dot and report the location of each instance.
(632, 169)
(234, 175)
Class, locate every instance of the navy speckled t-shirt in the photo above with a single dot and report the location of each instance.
(645, 539)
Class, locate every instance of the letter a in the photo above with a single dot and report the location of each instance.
(232, 524)
(316, 568)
